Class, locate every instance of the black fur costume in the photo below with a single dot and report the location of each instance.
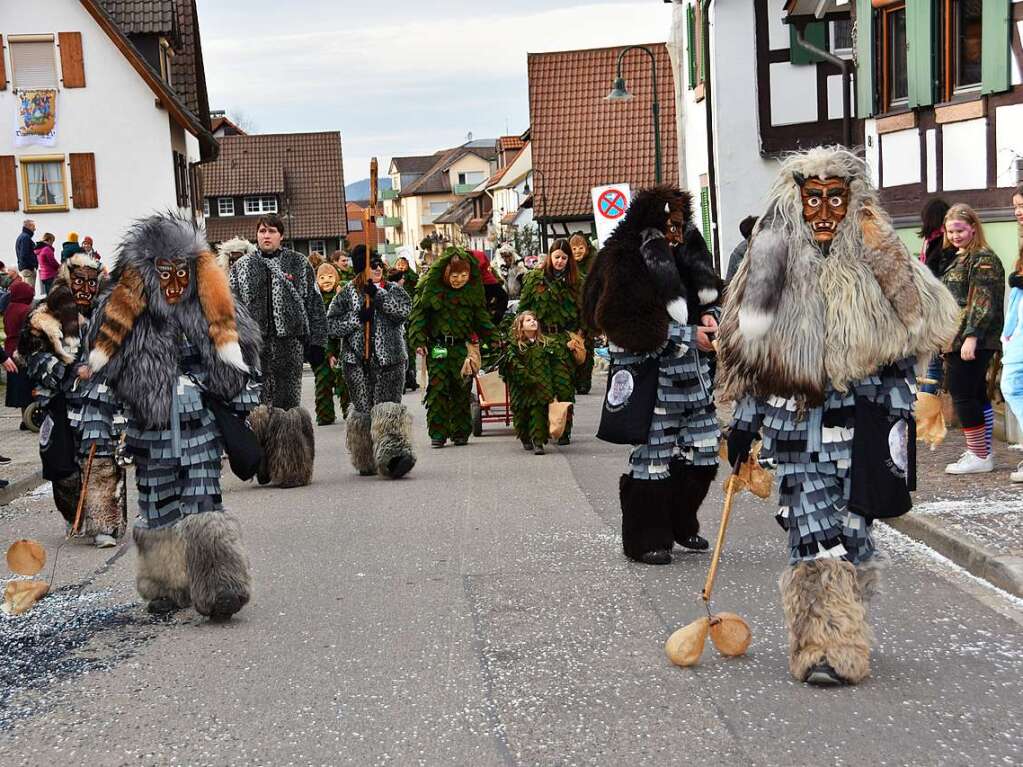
(643, 293)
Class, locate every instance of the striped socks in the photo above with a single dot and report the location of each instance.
(989, 427)
(976, 441)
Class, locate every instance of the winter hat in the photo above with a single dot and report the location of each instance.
(137, 287)
(72, 236)
(484, 262)
(358, 258)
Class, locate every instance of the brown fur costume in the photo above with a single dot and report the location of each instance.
(289, 448)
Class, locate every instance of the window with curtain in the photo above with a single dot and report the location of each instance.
(44, 184)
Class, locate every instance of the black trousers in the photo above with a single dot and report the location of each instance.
(967, 385)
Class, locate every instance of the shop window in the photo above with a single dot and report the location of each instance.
(44, 185)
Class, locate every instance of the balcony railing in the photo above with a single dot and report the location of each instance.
(392, 221)
(464, 188)
(388, 194)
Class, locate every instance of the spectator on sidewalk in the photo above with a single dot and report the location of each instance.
(88, 250)
(1012, 335)
(739, 253)
(25, 249)
(19, 389)
(937, 258)
(977, 281)
(48, 264)
(70, 247)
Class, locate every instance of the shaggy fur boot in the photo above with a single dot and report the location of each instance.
(65, 496)
(360, 442)
(162, 572)
(646, 519)
(218, 567)
(391, 431)
(289, 445)
(826, 619)
(690, 484)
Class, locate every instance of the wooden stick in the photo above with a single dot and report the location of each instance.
(368, 217)
(708, 586)
(83, 491)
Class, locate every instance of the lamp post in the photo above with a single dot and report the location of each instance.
(543, 199)
(620, 93)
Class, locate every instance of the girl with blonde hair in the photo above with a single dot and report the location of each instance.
(527, 369)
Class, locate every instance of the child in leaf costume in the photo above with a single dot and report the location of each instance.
(328, 380)
(526, 368)
(448, 318)
(582, 254)
(552, 294)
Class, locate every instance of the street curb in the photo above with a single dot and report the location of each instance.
(21, 486)
(1003, 571)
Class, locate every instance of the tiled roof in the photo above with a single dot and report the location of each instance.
(304, 168)
(509, 218)
(458, 213)
(414, 164)
(475, 226)
(435, 179)
(144, 17)
(581, 141)
(510, 143)
(230, 129)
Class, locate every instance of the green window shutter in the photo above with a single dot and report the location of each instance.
(816, 34)
(920, 40)
(995, 47)
(864, 59)
(691, 47)
(705, 212)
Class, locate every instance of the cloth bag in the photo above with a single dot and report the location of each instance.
(57, 442)
(244, 452)
(558, 414)
(883, 468)
(629, 402)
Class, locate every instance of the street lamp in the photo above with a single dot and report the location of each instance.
(619, 92)
(542, 189)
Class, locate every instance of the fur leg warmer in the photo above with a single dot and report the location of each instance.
(391, 431)
(360, 442)
(218, 567)
(646, 515)
(289, 445)
(162, 571)
(826, 619)
(103, 511)
(868, 576)
(690, 485)
(65, 496)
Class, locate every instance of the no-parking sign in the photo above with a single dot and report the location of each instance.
(609, 206)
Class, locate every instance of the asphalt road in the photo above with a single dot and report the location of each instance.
(480, 613)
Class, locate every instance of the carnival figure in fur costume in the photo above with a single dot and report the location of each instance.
(170, 339)
(656, 300)
(448, 321)
(526, 366)
(823, 324)
(278, 288)
(379, 426)
(53, 350)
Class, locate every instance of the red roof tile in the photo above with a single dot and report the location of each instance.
(581, 141)
(510, 143)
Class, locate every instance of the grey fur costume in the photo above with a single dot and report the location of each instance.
(808, 335)
(288, 445)
(51, 348)
(163, 360)
(379, 427)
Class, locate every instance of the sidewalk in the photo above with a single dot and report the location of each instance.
(22, 447)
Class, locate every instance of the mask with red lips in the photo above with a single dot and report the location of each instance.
(825, 204)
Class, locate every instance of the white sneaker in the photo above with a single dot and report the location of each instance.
(104, 541)
(1017, 476)
(971, 463)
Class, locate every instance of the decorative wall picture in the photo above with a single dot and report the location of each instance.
(36, 117)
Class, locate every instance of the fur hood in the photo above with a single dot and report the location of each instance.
(55, 323)
(135, 333)
(796, 319)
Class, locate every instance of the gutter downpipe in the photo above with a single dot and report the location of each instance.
(711, 159)
(845, 66)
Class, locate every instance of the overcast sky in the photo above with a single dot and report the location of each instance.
(398, 77)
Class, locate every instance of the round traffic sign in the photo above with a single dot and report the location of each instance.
(612, 203)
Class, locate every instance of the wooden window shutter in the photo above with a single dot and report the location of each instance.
(705, 212)
(691, 48)
(865, 46)
(995, 46)
(8, 183)
(83, 180)
(920, 40)
(3, 70)
(72, 65)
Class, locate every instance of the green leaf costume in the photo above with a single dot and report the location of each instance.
(526, 368)
(443, 321)
(584, 373)
(556, 305)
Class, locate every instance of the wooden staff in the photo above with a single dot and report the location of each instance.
(83, 491)
(368, 217)
(733, 482)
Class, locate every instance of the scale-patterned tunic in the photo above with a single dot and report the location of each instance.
(813, 454)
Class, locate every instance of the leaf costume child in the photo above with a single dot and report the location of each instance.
(583, 253)
(552, 294)
(526, 368)
(448, 317)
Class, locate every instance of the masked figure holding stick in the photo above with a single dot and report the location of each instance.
(823, 324)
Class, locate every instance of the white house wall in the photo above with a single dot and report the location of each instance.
(900, 157)
(964, 155)
(793, 94)
(1008, 142)
(113, 117)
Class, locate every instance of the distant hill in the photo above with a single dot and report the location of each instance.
(359, 190)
